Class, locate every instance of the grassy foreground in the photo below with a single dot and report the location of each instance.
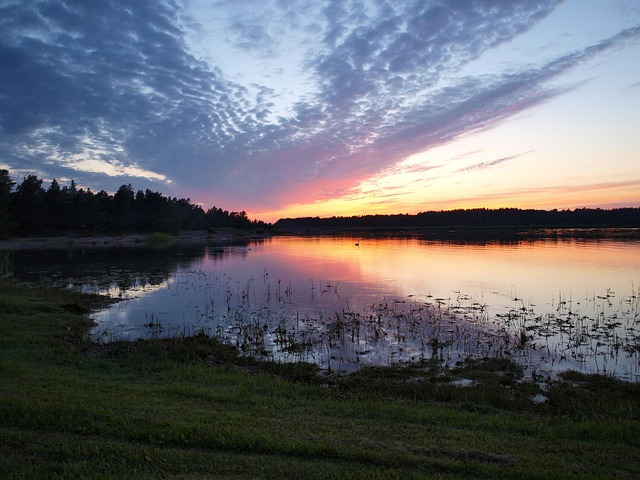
(190, 408)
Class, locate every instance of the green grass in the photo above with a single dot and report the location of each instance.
(6, 257)
(160, 240)
(190, 408)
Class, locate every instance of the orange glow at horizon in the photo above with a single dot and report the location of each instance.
(561, 198)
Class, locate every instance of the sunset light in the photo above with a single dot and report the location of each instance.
(285, 109)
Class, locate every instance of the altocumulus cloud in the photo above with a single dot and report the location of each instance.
(111, 92)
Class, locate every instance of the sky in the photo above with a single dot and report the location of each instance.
(290, 108)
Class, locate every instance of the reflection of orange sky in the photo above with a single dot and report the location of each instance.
(413, 267)
(322, 258)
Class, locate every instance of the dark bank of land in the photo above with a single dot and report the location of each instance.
(479, 223)
(191, 408)
(184, 238)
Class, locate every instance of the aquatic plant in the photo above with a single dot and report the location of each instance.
(160, 240)
(266, 318)
(6, 260)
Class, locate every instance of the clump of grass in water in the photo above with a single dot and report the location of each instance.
(160, 240)
(6, 259)
(595, 334)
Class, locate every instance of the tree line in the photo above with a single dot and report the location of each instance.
(27, 208)
(476, 217)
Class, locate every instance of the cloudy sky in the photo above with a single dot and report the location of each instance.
(294, 108)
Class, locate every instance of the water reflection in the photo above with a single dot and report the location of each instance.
(114, 271)
(551, 304)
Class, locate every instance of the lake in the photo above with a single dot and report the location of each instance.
(344, 302)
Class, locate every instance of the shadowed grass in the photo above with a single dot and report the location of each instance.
(160, 240)
(192, 408)
(6, 258)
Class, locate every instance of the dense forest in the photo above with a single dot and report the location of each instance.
(477, 217)
(27, 208)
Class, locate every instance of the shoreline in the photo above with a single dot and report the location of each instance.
(69, 241)
(472, 232)
(201, 237)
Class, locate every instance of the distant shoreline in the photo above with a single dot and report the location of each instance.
(471, 232)
(192, 238)
(502, 219)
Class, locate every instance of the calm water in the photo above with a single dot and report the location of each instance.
(345, 302)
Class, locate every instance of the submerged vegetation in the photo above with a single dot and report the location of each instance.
(191, 407)
(267, 318)
(6, 257)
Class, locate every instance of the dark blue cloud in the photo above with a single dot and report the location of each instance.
(116, 74)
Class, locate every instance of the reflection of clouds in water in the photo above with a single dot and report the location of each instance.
(121, 320)
(317, 301)
(270, 318)
(135, 287)
(114, 271)
(326, 301)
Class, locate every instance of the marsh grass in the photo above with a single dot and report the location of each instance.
(6, 261)
(266, 318)
(191, 407)
(160, 240)
(284, 320)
